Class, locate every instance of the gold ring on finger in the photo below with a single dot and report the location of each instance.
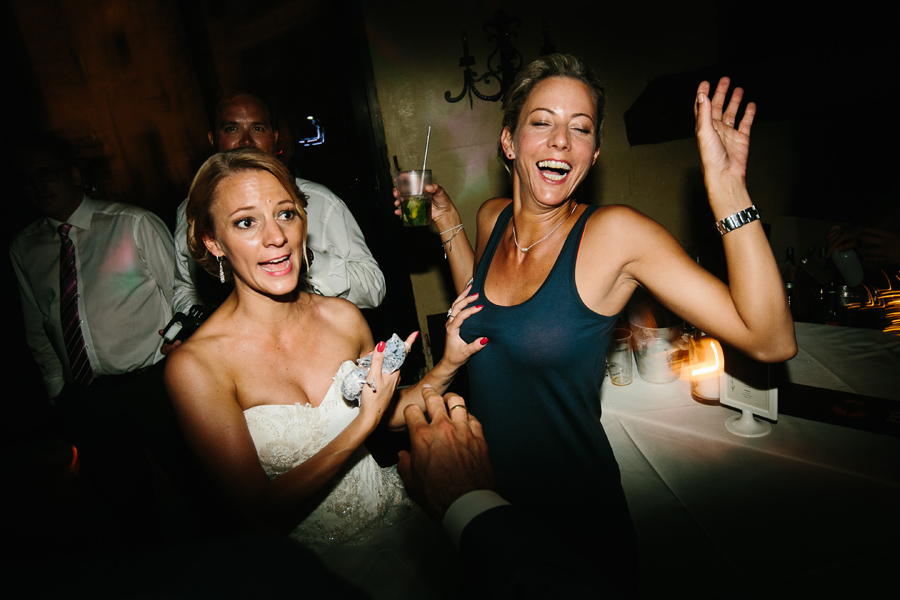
(452, 408)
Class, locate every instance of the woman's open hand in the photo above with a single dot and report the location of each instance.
(724, 144)
(456, 351)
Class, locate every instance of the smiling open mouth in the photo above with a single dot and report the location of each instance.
(277, 265)
(554, 170)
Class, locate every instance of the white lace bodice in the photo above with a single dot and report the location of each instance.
(363, 498)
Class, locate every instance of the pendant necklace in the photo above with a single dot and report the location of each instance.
(516, 241)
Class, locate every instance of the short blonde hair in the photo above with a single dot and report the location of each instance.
(546, 67)
(203, 194)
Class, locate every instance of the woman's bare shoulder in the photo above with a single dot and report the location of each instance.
(487, 218)
(619, 221)
(337, 309)
(495, 204)
(344, 318)
(491, 208)
(205, 354)
(197, 356)
(616, 215)
(624, 232)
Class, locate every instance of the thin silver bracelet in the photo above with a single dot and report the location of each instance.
(448, 245)
(454, 228)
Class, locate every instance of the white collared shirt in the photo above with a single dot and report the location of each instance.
(125, 267)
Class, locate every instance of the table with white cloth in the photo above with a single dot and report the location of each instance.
(810, 509)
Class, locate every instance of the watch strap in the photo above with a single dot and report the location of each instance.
(738, 220)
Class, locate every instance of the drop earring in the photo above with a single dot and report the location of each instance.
(221, 270)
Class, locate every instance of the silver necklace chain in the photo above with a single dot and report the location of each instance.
(516, 240)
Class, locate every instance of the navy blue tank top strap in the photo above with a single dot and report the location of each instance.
(489, 250)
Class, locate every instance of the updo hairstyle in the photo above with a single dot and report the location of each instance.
(204, 193)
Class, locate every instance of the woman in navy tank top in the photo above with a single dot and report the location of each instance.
(553, 276)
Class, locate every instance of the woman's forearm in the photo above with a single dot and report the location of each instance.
(754, 281)
(462, 260)
(440, 378)
(285, 500)
(455, 243)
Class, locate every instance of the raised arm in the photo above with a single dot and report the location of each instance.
(215, 427)
(453, 236)
(751, 312)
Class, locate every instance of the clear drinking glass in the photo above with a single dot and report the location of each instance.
(415, 202)
(618, 358)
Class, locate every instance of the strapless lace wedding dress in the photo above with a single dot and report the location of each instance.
(362, 499)
(365, 528)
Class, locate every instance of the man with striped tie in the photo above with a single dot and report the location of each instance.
(95, 280)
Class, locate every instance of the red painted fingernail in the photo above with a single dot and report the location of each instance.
(484, 341)
(475, 295)
(415, 336)
(480, 306)
(379, 347)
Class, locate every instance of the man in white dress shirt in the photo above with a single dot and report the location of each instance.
(95, 280)
(341, 263)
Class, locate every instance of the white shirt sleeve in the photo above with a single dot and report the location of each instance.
(185, 294)
(155, 242)
(343, 265)
(35, 333)
(467, 507)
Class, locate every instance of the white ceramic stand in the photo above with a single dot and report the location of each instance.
(746, 425)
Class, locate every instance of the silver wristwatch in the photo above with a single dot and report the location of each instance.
(738, 219)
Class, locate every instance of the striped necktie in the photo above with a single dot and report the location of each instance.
(68, 310)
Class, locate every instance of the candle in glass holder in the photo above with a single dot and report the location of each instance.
(707, 364)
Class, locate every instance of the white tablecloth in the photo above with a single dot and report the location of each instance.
(811, 507)
(847, 359)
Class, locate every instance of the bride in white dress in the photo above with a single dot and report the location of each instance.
(257, 387)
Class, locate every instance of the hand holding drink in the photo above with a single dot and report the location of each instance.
(415, 201)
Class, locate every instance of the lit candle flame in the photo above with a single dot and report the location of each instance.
(708, 368)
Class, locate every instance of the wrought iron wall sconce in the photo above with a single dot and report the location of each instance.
(510, 60)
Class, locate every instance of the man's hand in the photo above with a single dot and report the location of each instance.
(448, 457)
